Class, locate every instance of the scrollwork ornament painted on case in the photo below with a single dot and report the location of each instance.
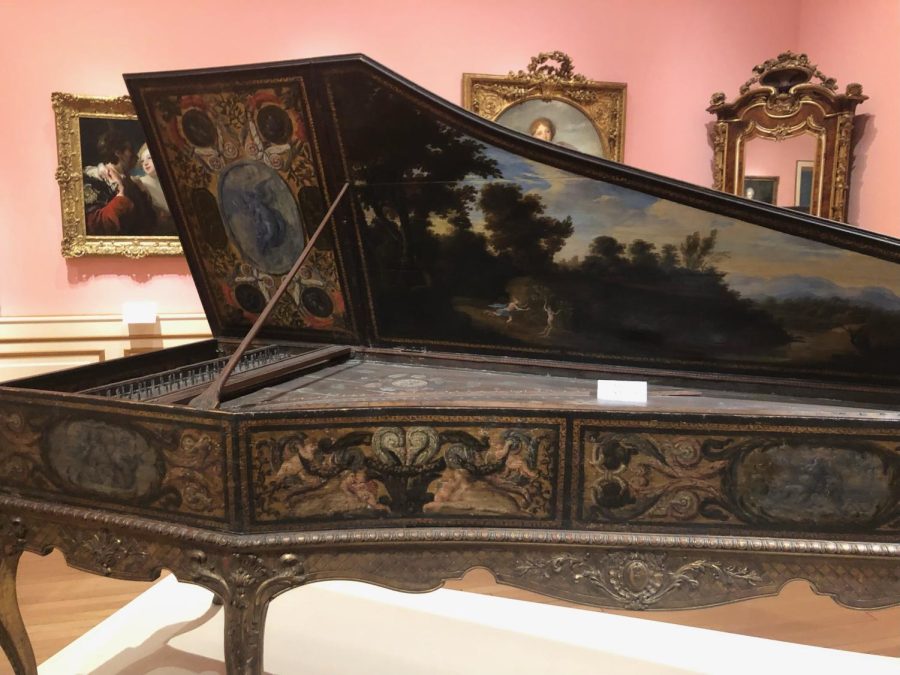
(776, 482)
(139, 464)
(385, 472)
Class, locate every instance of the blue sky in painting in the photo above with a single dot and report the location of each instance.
(753, 252)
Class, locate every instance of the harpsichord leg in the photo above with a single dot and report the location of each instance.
(13, 637)
(244, 637)
(246, 583)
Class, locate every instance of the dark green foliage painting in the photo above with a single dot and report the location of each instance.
(469, 245)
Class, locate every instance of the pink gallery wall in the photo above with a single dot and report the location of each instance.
(855, 41)
(672, 55)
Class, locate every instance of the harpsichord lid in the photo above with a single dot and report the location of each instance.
(460, 235)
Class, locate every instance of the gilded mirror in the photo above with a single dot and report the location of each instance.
(785, 139)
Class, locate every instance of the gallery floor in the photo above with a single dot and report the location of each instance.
(59, 604)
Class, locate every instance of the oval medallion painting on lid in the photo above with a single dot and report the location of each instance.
(198, 128)
(261, 216)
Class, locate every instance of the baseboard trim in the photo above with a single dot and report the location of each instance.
(31, 345)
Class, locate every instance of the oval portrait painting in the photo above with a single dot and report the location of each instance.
(261, 216)
(556, 122)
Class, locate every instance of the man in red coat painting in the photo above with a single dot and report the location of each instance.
(114, 204)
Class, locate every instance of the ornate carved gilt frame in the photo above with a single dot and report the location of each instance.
(603, 103)
(68, 109)
(779, 102)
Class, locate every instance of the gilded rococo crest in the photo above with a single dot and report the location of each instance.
(550, 101)
(112, 202)
(785, 63)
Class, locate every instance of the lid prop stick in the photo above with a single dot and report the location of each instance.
(210, 399)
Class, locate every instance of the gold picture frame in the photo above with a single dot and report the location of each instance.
(761, 188)
(579, 110)
(77, 120)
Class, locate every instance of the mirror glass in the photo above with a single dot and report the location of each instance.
(780, 172)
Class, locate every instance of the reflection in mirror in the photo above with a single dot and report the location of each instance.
(771, 174)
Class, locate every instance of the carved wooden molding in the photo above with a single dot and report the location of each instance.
(146, 527)
(248, 572)
(643, 573)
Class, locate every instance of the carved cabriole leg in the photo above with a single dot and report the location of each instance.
(246, 583)
(13, 637)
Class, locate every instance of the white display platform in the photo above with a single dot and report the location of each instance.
(344, 627)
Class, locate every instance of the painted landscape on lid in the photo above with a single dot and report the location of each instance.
(467, 244)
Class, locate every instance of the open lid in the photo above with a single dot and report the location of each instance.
(460, 235)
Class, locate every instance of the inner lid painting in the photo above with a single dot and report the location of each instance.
(243, 165)
(459, 235)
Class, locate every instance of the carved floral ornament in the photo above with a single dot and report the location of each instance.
(638, 580)
(551, 77)
(541, 68)
(102, 551)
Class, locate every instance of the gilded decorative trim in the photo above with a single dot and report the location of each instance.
(719, 138)
(246, 580)
(101, 550)
(787, 60)
(841, 175)
(246, 583)
(13, 536)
